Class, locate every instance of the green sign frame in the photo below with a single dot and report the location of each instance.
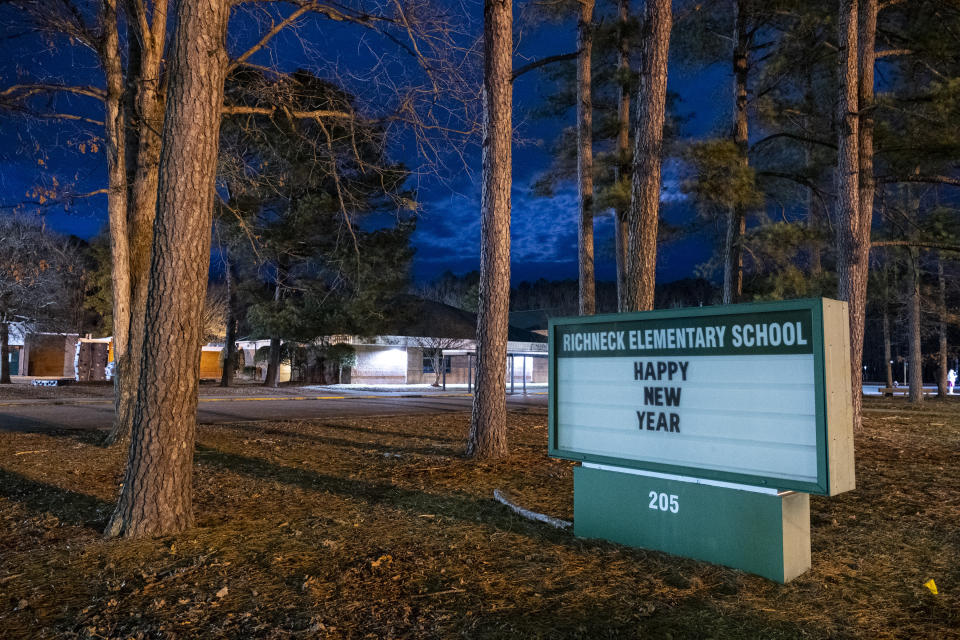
(833, 398)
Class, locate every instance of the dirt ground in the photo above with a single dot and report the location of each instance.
(379, 528)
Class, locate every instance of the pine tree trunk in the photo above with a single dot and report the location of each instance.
(852, 247)
(585, 159)
(157, 493)
(736, 217)
(941, 329)
(623, 152)
(115, 138)
(488, 422)
(230, 340)
(914, 321)
(4, 353)
(141, 213)
(887, 355)
(644, 214)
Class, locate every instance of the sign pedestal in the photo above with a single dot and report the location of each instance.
(758, 531)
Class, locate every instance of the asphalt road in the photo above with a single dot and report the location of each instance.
(97, 414)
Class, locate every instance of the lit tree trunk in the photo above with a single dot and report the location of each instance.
(941, 329)
(585, 158)
(916, 357)
(736, 216)
(643, 217)
(230, 340)
(866, 43)
(157, 493)
(4, 353)
(488, 422)
(852, 247)
(437, 363)
(115, 137)
(623, 153)
(142, 211)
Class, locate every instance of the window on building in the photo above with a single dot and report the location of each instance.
(428, 364)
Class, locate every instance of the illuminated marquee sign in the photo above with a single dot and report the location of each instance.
(756, 394)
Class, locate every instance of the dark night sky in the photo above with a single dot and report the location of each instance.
(447, 237)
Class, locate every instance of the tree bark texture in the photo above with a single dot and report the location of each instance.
(941, 329)
(157, 493)
(4, 353)
(852, 248)
(585, 159)
(488, 422)
(915, 362)
(115, 138)
(644, 214)
(150, 109)
(736, 217)
(273, 364)
(623, 151)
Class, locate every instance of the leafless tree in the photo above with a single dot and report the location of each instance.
(433, 348)
(38, 277)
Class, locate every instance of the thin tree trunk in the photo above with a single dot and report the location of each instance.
(887, 355)
(142, 212)
(736, 217)
(814, 225)
(488, 422)
(157, 493)
(916, 357)
(230, 340)
(585, 159)
(623, 152)
(852, 247)
(4, 353)
(644, 212)
(437, 363)
(273, 356)
(941, 329)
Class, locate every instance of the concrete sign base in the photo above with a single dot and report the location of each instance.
(759, 531)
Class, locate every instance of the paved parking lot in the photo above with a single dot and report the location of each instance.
(97, 413)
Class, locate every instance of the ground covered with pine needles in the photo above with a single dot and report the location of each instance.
(379, 528)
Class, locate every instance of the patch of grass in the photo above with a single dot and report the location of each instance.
(378, 527)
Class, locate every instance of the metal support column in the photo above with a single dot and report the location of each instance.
(512, 372)
(469, 373)
(443, 365)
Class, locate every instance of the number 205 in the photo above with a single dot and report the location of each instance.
(663, 502)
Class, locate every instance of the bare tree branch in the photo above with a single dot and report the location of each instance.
(22, 91)
(536, 64)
